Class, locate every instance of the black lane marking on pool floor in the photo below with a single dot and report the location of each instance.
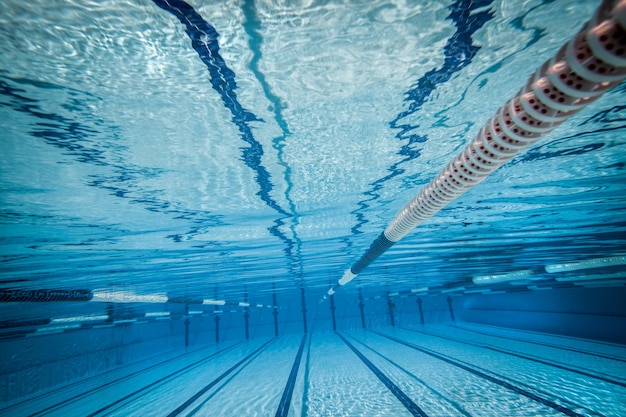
(489, 378)
(599, 355)
(82, 381)
(224, 383)
(285, 400)
(65, 402)
(211, 384)
(413, 408)
(519, 355)
(307, 371)
(166, 377)
(440, 396)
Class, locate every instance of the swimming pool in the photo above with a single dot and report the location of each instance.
(198, 204)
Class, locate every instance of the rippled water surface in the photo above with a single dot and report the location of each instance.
(124, 164)
(175, 162)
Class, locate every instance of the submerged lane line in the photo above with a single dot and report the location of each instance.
(522, 356)
(413, 408)
(307, 370)
(101, 387)
(502, 383)
(285, 401)
(226, 382)
(166, 377)
(409, 373)
(211, 384)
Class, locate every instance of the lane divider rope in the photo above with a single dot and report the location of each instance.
(590, 64)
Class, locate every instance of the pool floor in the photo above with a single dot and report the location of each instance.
(435, 370)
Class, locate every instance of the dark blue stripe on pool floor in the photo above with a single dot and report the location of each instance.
(521, 356)
(413, 408)
(285, 401)
(225, 382)
(507, 385)
(211, 384)
(116, 381)
(166, 377)
(459, 409)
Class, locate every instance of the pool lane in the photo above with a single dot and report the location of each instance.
(475, 393)
(428, 371)
(258, 388)
(569, 392)
(99, 389)
(60, 395)
(286, 399)
(431, 402)
(589, 367)
(164, 390)
(177, 394)
(338, 383)
(411, 406)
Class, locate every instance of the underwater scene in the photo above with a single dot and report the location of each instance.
(313, 208)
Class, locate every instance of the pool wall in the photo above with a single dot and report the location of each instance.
(591, 313)
(41, 361)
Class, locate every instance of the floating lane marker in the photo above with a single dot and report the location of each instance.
(214, 302)
(583, 69)
(127, 297)
(586, 264)
(8, 295)
(93, 317)
(498, 278)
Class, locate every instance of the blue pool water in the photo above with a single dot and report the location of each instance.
(194, 197)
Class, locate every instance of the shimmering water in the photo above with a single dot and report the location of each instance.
(247, 153)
